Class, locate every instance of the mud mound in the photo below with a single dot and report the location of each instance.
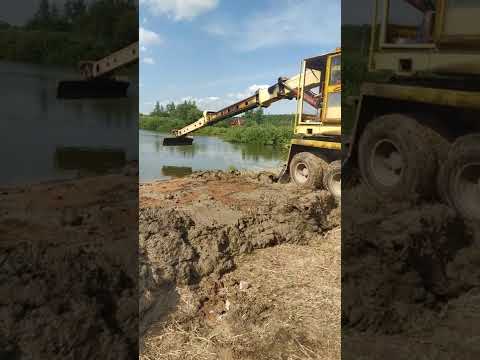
(265, 177)
(406, 267)
(296, 313)
(66, 287)
(99, 292)
(192, 240)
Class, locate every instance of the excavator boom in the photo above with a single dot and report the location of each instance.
(96, 81)
(283, 89)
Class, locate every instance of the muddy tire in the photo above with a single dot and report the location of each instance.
(306, 170)
(397, 157)
(332, 179)
(459, 179)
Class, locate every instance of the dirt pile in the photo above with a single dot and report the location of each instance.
(409, 276)
(68, 270)
(201, 279)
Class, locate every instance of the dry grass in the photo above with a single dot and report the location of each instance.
(290, 311)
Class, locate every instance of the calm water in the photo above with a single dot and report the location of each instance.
(206, 153)
(44, 138)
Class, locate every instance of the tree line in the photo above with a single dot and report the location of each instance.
(77, 31)
(189, 112)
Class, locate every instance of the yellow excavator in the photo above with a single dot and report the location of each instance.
(97, 77)
(314, 156)
(417, 132)
(315, 150)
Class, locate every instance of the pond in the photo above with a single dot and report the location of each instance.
(206, 153)
(45, 138)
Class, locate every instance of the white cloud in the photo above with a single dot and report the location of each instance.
(180, 9)
(255, 87)
(148, 37)
(285, 22)
(214, 103)
(216, 29)
(247, 92)
(148, 60)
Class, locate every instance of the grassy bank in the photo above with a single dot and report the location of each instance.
(262, 134)
(258, 128)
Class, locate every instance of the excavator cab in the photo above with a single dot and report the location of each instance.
(414, 36)
(319, 101)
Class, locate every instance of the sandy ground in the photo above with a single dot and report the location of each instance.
(234, 266)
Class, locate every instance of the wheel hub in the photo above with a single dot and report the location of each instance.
(301, 173)
(468, 189)
(387, 163)
(336, 184)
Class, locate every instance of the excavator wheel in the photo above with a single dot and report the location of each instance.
(459, 179)
(306, 170)
(332, 179)
(397, 157)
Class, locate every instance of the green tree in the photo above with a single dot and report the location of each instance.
(74, 9)
(156, 109)
(43, 12)
(170, 108)
(254, 117)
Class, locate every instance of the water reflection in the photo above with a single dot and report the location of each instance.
(206, 153)
(32, 135)
(99, 160)
(258, 152)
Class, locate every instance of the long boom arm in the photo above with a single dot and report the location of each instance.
(96, 80)
(284, 89)
(110, 63)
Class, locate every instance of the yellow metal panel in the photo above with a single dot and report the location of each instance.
(318, 129)
(434, 61)
(426, 95)
(318, 144)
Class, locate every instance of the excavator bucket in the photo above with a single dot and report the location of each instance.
(92, 89)
(177, 141)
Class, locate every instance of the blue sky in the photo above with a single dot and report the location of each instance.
(218, 51)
